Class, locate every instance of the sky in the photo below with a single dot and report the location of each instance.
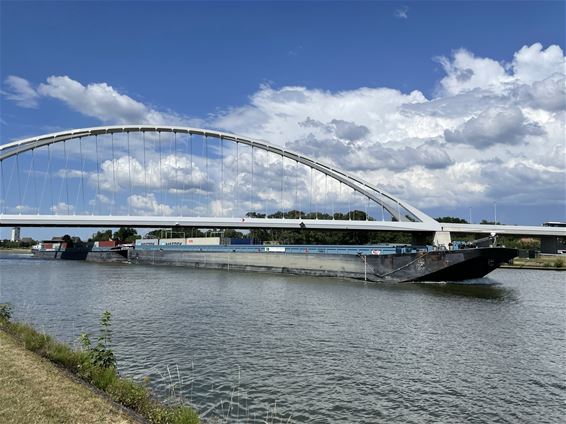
(451, 106)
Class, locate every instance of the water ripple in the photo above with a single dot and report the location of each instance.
(270, 348)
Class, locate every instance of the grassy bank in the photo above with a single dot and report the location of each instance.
(95, 365)
(542, 262)
(34, 390)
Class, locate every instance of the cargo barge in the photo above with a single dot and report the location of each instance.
(378, 263)
(104, 251)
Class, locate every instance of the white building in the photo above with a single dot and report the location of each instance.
(15, 234)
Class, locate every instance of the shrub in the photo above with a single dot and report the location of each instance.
(559, 263)
(5, 312)
(103, 377)
(131, 395)
(65, 356)
(183, 415)
(101, 354)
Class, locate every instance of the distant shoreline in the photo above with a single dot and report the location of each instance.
(14, 250)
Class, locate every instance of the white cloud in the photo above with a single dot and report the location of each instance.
(494, 126)
(97, 100)
(20, 91)
(430, 151)
(486, 115)
(172, 173)
(465, 72)
(62, 208)
(101, 101)
(402, 12)
(148, 205)
(533, 63)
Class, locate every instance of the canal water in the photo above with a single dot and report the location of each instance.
(248, 347)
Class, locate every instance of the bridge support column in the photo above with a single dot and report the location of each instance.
(442, 238)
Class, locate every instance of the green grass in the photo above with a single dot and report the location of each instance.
(124, 391)
(34, 390)
(540, 262)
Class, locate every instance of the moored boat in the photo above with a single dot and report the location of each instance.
(378, 263)
(371, 263)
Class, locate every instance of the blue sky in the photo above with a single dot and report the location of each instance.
(215, 62)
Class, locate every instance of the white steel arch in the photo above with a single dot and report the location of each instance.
(419, 221)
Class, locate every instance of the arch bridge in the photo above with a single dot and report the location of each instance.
(166, 176)
(162, 176)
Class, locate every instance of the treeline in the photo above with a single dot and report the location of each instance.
(123, 235)
(354, 215)
(305, 235)
(8, 244)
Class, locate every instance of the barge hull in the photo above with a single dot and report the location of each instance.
(424, 266)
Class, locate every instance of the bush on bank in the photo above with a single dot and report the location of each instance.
(96, 365)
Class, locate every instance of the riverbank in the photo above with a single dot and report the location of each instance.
(14, 250)
(32, 389)
(540, 263)
(93, 366)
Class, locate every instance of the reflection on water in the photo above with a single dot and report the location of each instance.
(481, 290)
(276, 348)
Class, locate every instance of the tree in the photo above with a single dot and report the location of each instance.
(452, 220)
(125, 234)
(102, 235)
(231, 233)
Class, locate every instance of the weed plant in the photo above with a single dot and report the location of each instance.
(97, 366)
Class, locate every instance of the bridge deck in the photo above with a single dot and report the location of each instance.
(246, 223)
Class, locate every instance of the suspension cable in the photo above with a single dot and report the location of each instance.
(207, 176)
(76, 204)
(144, 167)
(112, 210)
(66, 177)
(310, 194)
(192, 181)
(2, 189)
(297, 189)
(18, 182)
(50, 180)
(160, 178)
(222, 173)
(333, 207)
(97, 200)
(282, 178)
(176, 169)
(11, 178)
(201, 182)
(326, 190)
(129, 171)
(28, 176)
(252, 185)
(82, 173)
(237, 177)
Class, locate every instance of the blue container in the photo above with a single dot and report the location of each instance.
(241, 241)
